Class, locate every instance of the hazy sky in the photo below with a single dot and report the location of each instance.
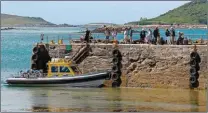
(83, 12)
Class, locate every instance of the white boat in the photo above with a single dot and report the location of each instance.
(66, 74)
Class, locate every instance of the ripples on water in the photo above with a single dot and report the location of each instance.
(101, 99)
(16, 49)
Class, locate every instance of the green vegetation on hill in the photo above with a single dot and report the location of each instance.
(194, 12)
(14, 20)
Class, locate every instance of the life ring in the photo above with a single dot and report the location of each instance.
(34, 57)
(35, 50)
(192, 79)
(114, 76)
(193, 71)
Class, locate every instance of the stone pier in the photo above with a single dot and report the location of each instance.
(151, 66)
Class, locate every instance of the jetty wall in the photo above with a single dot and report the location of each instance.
(152, 66)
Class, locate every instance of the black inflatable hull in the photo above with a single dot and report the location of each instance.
(88, 80)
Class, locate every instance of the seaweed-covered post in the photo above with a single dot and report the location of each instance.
(117, 65)
(194, 63)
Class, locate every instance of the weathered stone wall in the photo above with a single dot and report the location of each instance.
(164, 66)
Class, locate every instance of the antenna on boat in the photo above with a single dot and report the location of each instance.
(58, 46)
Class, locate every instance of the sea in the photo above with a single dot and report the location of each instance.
(16, 51)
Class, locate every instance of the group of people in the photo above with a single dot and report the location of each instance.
(148, 37)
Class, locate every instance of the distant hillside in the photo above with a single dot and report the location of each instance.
(194, 12)
(18, 21)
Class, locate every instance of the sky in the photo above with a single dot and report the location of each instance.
(84, 12)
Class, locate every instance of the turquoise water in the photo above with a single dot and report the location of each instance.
(16, 46)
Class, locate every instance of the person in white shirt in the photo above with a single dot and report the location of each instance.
(126, 38)
(114, 34)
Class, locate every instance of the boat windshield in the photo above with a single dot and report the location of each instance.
(64, 69)
(54, 69)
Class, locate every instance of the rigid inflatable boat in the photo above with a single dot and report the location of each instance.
(60, 73)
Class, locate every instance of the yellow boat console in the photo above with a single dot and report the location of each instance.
(62, 67)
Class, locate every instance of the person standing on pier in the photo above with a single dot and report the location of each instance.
(107, 34)
(87, 36)
(131, 34)
(156, 34)
(172, 34)
(142, 35)
(114, 34)
(126, 38)
(149, 36)
(167, 34)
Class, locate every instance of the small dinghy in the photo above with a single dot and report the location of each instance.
(60, 73)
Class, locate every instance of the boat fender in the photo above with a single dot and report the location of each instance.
(116, 52)
(193, 63)
(33, 66)
(35, 50)
(115, 76)
(115, 69)
(115, 60)
(196, 75)
(115, 84)
(193, 71)
(192, 79)
(194, 85)
(195, 56)
(34, 57)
